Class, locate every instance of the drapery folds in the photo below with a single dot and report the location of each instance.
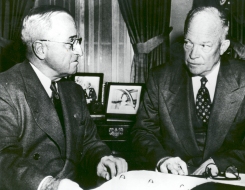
(237, 27)
(12, 13)
(68, 4)
(148, 27)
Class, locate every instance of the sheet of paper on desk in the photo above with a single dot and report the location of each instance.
(150, 180)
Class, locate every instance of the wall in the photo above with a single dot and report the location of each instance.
(179, 10)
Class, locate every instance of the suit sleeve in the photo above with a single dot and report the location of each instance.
(94, 148)
(146, 132)
(232, 151)
(12, 163)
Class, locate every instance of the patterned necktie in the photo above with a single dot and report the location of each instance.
(57, 103)
(203, 102)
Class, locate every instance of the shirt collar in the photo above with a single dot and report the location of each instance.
(212, 76)
(46, 82)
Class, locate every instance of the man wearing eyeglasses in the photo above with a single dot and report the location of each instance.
(47, 137)
(193, 112)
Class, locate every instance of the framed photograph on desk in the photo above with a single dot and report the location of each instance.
(92, 86)
(91, 83)
(122, 101)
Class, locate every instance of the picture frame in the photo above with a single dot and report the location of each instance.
(92, 85)
(122, 100)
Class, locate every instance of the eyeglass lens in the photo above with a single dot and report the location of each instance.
(231, 172)
(76, 42)
(210, 171)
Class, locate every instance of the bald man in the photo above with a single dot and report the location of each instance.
(192, 114)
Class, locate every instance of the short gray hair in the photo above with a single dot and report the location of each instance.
(37, 22)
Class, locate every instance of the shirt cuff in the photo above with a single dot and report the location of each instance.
(43, 182)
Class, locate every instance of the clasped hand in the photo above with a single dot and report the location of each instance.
(107, 168)
(110, 166)
(173, 165)
(177, 166)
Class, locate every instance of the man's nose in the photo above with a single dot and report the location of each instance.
(194, 52)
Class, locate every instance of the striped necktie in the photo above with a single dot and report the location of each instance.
(57, 103)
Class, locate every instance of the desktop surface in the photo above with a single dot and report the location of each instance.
(151, 180)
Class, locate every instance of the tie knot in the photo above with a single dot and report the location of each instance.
(53, 86)
(204, 80)
(54, 90)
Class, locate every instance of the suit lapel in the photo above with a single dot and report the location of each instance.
(41, 106)
(227, 99)
(180, 110)
(72, 119)
(69, 113)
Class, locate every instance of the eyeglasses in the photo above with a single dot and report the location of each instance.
(76, 42)
(230, 173)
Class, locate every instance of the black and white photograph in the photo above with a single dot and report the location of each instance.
(123, 98)
(122, 94)
(91, 84)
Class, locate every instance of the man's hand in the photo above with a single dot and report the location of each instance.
(201, 169)
(173, 165)
(110, 167)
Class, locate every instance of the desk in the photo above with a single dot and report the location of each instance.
(150, 180)
(117, 136)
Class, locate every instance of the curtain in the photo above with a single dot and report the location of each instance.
(237, 28)
(12, 13)
(68, 4)
(148, 27)
(107, 47)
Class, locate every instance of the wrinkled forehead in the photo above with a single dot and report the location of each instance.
(206, 24)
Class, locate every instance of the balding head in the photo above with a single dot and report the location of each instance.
(203, 16)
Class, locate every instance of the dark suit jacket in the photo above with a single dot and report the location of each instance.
(91, 94)
(32, 144)
(164, 126)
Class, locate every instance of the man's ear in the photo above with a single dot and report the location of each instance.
(224, 46)
(39, 49)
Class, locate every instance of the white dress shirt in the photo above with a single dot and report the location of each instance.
(46, 82)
